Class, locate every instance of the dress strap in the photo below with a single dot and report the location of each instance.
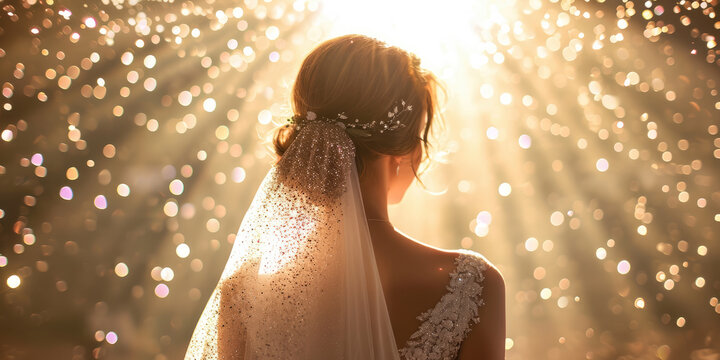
(445, 326)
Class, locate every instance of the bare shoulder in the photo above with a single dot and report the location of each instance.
(424, 255)
(487, 336)
(431, 265)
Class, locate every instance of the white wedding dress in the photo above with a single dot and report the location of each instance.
(301, 281)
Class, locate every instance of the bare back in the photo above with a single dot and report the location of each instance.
(415, 279)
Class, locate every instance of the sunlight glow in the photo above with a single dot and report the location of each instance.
(426, 33)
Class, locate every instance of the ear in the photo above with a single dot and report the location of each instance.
(395, 160)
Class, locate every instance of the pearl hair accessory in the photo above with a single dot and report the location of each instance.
(356, 127)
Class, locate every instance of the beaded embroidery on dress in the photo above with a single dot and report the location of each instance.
(445, 326)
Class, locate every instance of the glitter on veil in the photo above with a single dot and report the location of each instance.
(301, 281)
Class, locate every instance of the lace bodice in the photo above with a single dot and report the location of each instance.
(446, 325)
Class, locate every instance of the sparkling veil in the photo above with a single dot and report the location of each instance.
(301, 281)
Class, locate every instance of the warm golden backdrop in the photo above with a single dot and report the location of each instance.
(582, 154)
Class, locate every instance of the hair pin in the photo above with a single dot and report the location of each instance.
(364, 129)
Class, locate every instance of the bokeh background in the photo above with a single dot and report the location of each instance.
(581, 150)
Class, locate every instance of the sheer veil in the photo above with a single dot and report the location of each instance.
(301, 281)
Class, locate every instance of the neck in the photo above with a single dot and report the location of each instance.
(374, 187)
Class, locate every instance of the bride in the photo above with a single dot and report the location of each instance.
(317, 270)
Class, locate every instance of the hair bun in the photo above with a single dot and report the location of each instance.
(283, 137)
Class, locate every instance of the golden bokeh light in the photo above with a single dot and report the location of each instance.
(582, 150)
